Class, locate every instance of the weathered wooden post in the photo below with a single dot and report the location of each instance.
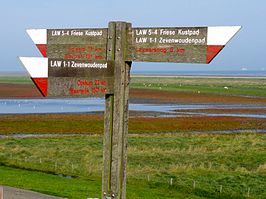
(116, 115)
(1, 193)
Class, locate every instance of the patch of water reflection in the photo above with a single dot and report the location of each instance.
(90, 105)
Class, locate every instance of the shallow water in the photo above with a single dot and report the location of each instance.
(86, 105)
(41, 135)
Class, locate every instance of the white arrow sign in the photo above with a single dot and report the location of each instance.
(37, 68)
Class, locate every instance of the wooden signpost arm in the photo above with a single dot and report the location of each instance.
(116, 115)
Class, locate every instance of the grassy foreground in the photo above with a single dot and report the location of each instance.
(198, 166)
(15, 80)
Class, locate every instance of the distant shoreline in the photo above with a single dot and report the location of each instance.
(215, 74)
(15, 74)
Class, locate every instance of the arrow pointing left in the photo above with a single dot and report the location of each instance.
(37, 68)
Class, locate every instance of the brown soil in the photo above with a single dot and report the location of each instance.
(19, 91)
(155, 96)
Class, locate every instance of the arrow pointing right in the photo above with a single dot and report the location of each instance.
(39, 37)
(217, 38)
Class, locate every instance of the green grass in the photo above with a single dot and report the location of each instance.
(236, 162)
(229, 86)
(84, 188)
(236, 86)
(15, 80)
(49, 184)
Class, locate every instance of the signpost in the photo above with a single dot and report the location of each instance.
(97, 62)
(70, 78)
(181, 44)
(84, 44)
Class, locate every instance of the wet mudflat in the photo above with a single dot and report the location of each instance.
(150, 111)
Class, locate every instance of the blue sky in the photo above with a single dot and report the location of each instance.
(245, 50)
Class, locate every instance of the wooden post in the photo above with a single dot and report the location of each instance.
(248, 192)
(1, 193)
(116, 115)
(108, 120)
